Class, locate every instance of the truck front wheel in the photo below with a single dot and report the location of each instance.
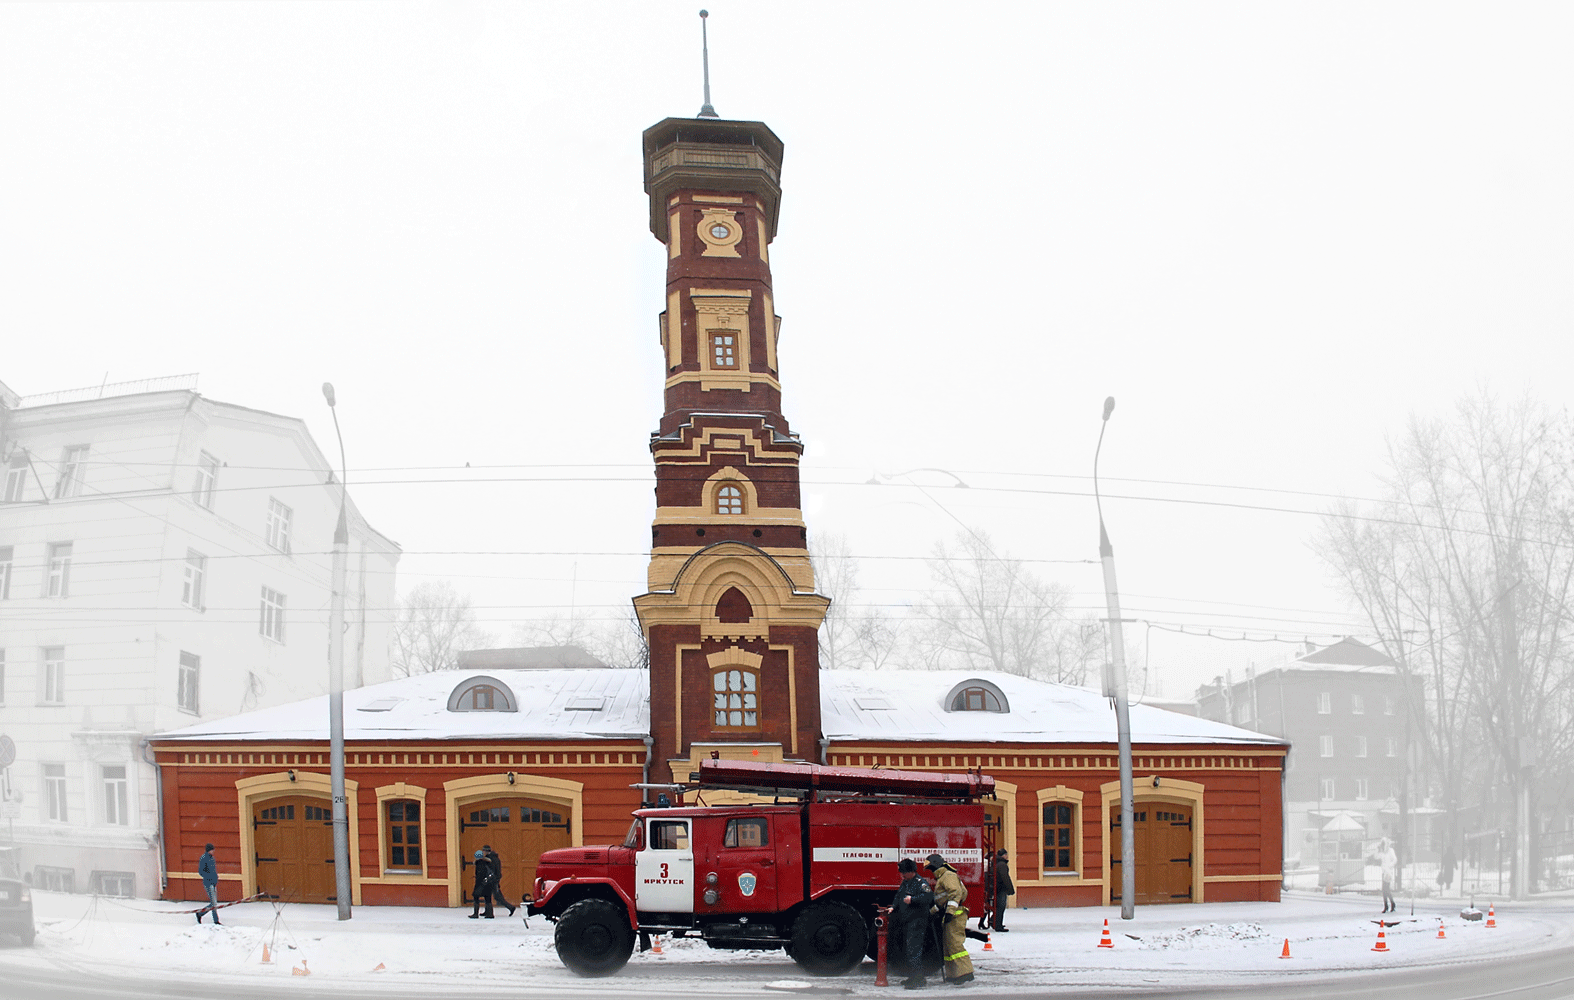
(593, 938)
(828, 939)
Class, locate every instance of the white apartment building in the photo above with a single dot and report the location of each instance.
(164, 559)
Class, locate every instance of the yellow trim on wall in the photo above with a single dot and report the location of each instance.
(386, 793)
(677, 680)
(251, 792)
(461, 791)
(1006, 792)
(771, 318)
(764, 254)
(707, 574)
(1269, 877)
(1168, 790)
(674, 236)
(792, 696)
(718, 199)
(674, 331)
(727, 246)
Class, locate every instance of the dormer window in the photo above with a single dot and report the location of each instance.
(729, 500)
(977, 695)
(482, 694)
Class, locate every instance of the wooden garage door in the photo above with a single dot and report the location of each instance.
(1164, 853)
(519, 830)
(293, 838)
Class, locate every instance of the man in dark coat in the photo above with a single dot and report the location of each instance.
(209, 870)
(497, 878)
(1004, 889)
(910, 921)
(484, 882)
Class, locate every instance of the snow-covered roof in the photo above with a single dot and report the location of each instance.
(552, 704)
(1039, 712)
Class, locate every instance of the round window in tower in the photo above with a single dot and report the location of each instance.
(720, 231)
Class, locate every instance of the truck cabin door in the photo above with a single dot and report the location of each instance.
(664, 870)
(746, 865)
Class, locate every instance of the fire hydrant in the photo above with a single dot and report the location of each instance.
(882, 925)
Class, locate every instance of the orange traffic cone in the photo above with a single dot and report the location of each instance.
(380, 968)
(987, 945)
(1106, 941)
(267, 956)
(1491, 916)
(302, 971)
(1381, 945)
(655, 945)
(1440, 934)
(1286, 952)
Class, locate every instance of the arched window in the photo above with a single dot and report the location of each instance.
(482, 694)
(729, 500)
(976, 695)
(736, 692)
(404, 833)
(734, 607)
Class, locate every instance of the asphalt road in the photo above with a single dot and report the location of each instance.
(1545, 975)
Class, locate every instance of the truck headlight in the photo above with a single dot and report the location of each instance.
(711, 879)
(712, 896)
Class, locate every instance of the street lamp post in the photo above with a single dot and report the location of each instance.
(341, 560)
(1117, 649)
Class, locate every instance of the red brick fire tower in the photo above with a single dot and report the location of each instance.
(731, 615)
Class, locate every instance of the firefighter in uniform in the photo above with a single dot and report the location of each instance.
(910, 921)
(950, 897)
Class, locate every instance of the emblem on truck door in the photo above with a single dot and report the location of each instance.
(746, 883)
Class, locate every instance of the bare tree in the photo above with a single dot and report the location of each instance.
(836, 576)
(617, 642)
(1464, 571)
(435, 624)
(991, 611)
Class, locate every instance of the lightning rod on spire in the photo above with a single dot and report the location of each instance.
(706, 111)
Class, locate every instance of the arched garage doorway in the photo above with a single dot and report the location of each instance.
(519, 830)
(293, 845)
(1167, 828)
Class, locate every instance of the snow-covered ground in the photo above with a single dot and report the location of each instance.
(1045, 948)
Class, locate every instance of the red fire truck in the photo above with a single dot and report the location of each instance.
(803, 871)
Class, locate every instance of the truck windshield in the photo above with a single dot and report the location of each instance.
(632, 840)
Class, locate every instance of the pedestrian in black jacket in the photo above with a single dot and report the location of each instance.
(1004, 889)
(910, 921)
(483, 886)
(497, 878)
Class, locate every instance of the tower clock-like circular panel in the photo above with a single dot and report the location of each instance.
(720, 232)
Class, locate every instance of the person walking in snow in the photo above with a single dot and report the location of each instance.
(950, 895)
(1445, 871)
(1004, 889)
(484, 883)
(497, 878)
(1390, 866)
(209, 870)
(910, 921)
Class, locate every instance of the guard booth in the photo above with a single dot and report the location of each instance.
(1341, 860)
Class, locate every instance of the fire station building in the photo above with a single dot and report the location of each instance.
(526, 760)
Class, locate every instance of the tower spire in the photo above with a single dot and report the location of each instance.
(706, 111)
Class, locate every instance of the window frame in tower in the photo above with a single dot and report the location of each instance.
(733, 351)
(730, 500)
(731, 705)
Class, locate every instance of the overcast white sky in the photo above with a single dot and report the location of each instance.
(1271, 231)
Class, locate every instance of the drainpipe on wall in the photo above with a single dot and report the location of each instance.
(158, 824)
(825, 746)
(649, 744)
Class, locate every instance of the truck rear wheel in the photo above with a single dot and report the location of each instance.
(828, 939)
(593, 938)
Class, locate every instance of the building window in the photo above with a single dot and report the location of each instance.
(54, 687)
(729, 500)
(271, 624)
(16, 480)
(1328, 788)
(115, 884)
(187, 680)
(196, 570)
(278, 533)
(72, 469)
(724, 350)
(481, 698)
(116, 800)
(404, 834)
(1325, 703)
(1360, 746)
(1391, 746)
(1326, 745)
(55, 793)
(745, 833)
(5, 572)
(53, 879)
(1357, 705)
(1361, 789)
(975, 699)
(1059, 837)
(736, 700)
(207, 479)
(482, 694)
(1242, 711)
(57, 583)
(1388, 704)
